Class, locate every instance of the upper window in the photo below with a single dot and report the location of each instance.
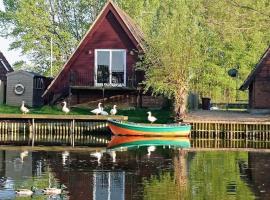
(110, 65)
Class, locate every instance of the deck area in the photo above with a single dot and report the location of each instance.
(239, 117)
(229, 125)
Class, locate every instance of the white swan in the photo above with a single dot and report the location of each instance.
(151, 118)
(113, 110)
(103, 112)
(24, 110)
(65, 109)
(97, 155)
(150, 149)
(25, 192)
(97, 110)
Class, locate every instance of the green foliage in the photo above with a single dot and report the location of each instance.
(210, 176)
(33, 23)
(191, 45)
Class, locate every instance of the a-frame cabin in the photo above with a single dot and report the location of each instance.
(258, 85)
(105, 58)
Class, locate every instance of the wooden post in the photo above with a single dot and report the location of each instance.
(72, 131)
(33, 132)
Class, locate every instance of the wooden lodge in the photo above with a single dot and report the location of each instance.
(5, 68)
(103, 65)
(258, 85)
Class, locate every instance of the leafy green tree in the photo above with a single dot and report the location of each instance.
(33, 23)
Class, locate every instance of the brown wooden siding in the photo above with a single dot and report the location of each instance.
(260, 89)
(109, 34)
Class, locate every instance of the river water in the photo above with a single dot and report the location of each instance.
(136, 168)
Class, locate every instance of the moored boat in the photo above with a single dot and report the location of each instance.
(130, 128)
(129, 142)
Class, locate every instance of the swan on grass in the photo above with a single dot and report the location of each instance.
(113, 110)
(97, 110)
(103, 112)
(65, 109)
(151, 118)
(24, 109)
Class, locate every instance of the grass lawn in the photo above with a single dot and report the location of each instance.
(137, 115)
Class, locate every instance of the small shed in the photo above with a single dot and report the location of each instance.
(258, 85)
(25, 86)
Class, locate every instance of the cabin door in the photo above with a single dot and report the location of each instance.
(110, 67)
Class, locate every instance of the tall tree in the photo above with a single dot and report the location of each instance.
(33, 23)
(172, 46)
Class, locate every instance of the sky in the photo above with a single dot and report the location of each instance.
(11, 56)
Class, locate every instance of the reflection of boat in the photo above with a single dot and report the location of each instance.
(139, 141)
(130, 128)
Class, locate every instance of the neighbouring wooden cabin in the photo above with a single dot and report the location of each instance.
(25, 86)
(5, 68)
(105, 58)
(258, 85)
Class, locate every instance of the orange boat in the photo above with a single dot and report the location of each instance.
(130, 128)
(139, 141)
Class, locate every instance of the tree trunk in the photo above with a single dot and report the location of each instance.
(180, 104)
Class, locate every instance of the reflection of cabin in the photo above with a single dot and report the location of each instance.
(258, 174)
(25, 86)
(258, 85)
(4, 69)
(106, 56)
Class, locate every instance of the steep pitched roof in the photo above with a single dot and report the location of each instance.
(254, 72)
(4, 63)
(129, 26)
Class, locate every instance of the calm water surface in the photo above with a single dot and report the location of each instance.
(163, 172)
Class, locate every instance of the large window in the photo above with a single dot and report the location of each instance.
(110, 67)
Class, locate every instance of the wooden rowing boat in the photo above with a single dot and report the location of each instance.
(130, 128)
(129, 142)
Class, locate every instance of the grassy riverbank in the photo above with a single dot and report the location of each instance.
(134, 115)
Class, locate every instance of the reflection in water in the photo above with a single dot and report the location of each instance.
(134, 167)
(169, 173)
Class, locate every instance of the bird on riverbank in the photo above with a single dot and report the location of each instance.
(65, 109)
(103, 112)
(113, 110)
(151, 118)
(23, 109)
(97, 110)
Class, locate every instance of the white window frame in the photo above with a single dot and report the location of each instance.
(110, 67)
